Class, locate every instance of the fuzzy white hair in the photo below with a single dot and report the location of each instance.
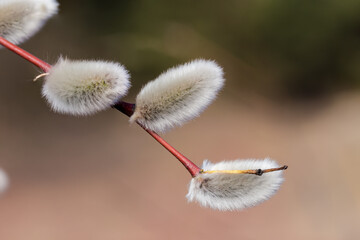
(226, 191)
(178, 95)
(4, 181)
(20, 19)
(85, 87)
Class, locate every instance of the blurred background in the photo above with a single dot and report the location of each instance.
(292, 94)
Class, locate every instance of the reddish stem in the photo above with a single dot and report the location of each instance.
(189, 165)
(126, 108)
(24, 54)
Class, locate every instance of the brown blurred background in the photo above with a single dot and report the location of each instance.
(292, 94)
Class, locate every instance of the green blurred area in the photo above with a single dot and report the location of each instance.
(280, 48)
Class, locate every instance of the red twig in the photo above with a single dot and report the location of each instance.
(24, 54)
(189, 165)
(128, 109)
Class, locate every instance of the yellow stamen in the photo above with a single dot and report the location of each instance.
(256, 172)
(231, 171)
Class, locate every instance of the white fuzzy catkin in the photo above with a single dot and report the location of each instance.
(20, 19)
(85, 87)
(226, 191)
(178, 95)
(4, 181)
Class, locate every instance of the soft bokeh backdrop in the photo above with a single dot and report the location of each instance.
(292, 93)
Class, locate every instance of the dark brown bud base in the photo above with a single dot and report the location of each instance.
(260, 172)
